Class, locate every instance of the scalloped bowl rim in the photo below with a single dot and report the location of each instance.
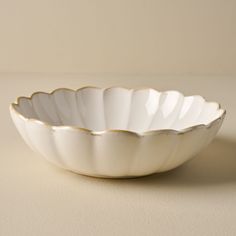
(93, 132)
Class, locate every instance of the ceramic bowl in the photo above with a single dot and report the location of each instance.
(116, 132)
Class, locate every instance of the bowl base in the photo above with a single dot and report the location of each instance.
(110, 177)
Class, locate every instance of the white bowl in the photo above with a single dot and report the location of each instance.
(116, 132)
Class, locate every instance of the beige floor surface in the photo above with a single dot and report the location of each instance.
(38, 199)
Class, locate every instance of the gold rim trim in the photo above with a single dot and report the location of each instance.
(92, 132)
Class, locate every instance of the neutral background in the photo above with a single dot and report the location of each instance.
(48, 44)
(38, 199)
(118, 36)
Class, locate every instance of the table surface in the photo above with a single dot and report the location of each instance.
(198, 198)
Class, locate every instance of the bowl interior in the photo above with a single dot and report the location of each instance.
(119, 108)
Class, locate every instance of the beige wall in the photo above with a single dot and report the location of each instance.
(122, 36)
